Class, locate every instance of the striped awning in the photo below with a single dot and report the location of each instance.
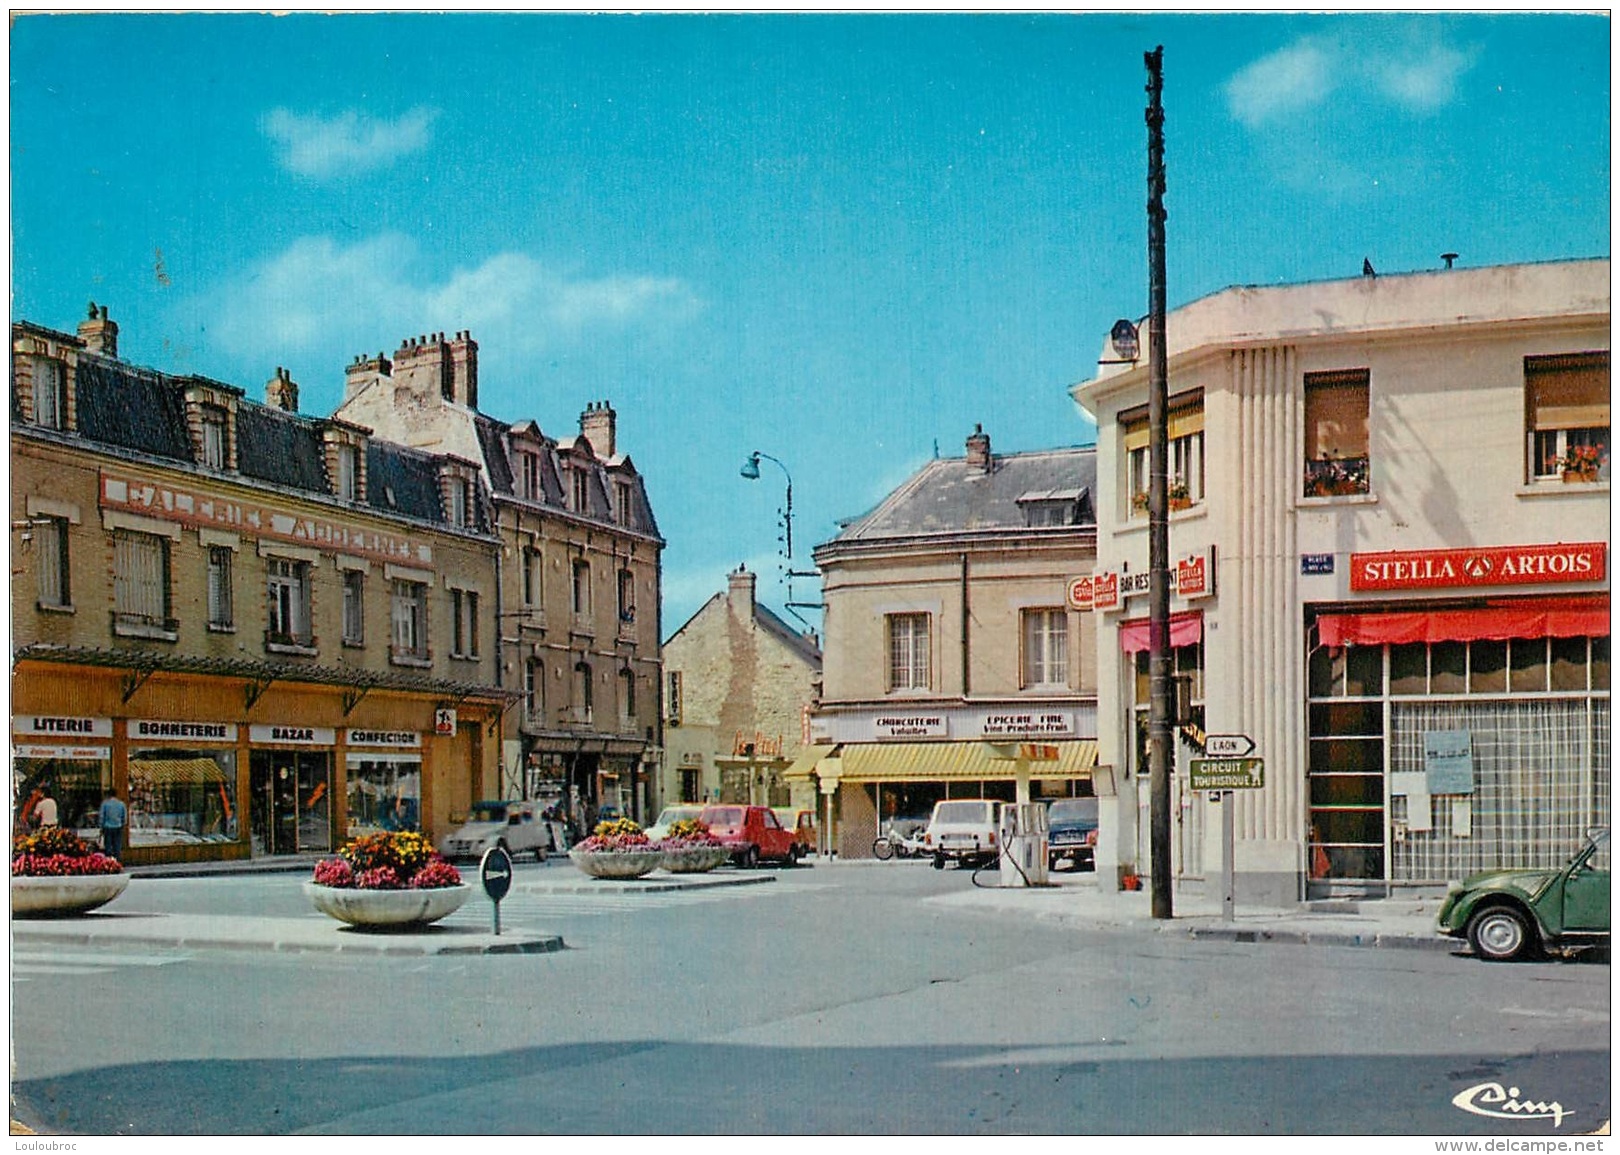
(936, 761)
(806, 762)
(175, 771)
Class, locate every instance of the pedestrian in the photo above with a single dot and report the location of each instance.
(45, 811)
(113, 817)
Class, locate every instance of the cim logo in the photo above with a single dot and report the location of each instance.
(1494, 1101)
(1490, 566)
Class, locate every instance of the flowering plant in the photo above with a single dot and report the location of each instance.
(387, 860)
(54, 852)
(1585, 460)
(689, 832)
(619, 834)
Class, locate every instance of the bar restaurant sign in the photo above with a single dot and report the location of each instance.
(1515, 565)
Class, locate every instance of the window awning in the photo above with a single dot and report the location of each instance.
(171, 771)
(1573, 617)
(935, 761)
(806, 762)
(1186, 629)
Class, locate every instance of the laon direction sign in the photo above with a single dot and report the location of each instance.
(1228, 773)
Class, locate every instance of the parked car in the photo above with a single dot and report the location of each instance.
(752, 833)
(1071, 832)
(803, 825)
(517, 826)
(670, 815)
(1508, 914)
(964, 830)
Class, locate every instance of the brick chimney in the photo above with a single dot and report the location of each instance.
(422, 366)
(599, 425)
(281, 392)
(741, 592)
(978, 449)
(362, 371)
(464, 370)
(98, 333)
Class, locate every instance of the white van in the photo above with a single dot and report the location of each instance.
(964, 829)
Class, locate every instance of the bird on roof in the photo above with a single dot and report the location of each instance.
(1367, 269)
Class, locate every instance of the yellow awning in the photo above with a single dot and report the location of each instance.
(806, 762)
(933, 761)
(166, 771)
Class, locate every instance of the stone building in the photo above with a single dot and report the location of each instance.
(1395, 520)
(577, 594)
(265, 631)
(958, 661)
(740, 683)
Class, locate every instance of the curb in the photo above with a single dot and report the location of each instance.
(638, 886)
(1316, 938)
(398, 945)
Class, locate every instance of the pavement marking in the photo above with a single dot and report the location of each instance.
(530, 904)
(26, 962)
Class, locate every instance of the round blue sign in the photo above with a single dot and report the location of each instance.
(495, 872)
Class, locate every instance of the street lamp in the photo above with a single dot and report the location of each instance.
(750, 470)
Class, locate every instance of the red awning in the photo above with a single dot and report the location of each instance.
(1574, 617)
(1186, 629)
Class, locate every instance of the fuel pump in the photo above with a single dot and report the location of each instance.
(1023, 844)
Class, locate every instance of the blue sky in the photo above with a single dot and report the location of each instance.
(838, 239)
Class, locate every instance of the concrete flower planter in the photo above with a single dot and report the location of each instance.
(617, 863)
(386, 908)
(694, 859)
(61, 897)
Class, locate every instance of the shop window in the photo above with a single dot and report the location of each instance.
(464, 623)
(182, 797)
(1409, 669)
(1184, 431)
(288, 588)
(908, 651)
(50, 536)
(78, 784)
(221, 601)
(1448, 667)
(50, 393)
(1337, 459)
(1046, 648)
(1487, 667)
(409, 612)
(141, 586)
(1567, 412)
(215, 436)
(1527, 668)
(1567, 669)
(1600, 663)
(1340, 671)
(384, 794)
(354, 607)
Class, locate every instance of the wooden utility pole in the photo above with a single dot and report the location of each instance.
(1160, 750)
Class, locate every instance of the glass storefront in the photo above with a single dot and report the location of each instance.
(77, 777)
(182, 797)
(384, 793)
(292, 801)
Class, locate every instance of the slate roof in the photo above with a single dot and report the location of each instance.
(132, 408)
(276, 446)
(949, 496)
(495, 441)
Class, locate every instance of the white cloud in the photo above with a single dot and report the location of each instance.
(321, 147)
(317, 294)
(1412, 76)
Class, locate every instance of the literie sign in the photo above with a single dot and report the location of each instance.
(1228, 773)
(1515, 565)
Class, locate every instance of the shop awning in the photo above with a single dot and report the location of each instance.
(806, 762)
(172, 771)
(1572, 617)
(1186, 629)
(935, 761)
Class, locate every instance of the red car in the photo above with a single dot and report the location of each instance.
(752, 833)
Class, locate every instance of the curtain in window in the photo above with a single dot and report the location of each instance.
(1570, 392)
(1336, 415)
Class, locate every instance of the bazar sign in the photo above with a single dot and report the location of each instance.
(1488, 566)
(199, 508)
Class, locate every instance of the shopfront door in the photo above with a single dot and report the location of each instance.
(292, 801)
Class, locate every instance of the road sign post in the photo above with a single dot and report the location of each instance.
(495, 872)
(1221, 776)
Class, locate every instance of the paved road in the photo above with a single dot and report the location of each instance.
(831, 1000)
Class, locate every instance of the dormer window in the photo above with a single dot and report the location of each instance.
(458, 501)
(348, 472)
(580, 492)
(1051, 507)
(530, 487)
(623, 494)
(215, 424)
(50, 393)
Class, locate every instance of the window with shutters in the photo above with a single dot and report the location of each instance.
(141, 585)
(1184, 430)
(1046, 648)
(908, 652)
(1566, 401)
(410, 621)
(288, 622)
(50, 535)
(221, 603)
(1337, 457)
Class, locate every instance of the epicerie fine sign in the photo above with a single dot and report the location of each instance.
(1428, 569)
(1025, 725)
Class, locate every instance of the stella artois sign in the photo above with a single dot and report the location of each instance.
(1515, 565)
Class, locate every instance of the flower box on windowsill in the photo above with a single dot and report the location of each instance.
(1579, 476)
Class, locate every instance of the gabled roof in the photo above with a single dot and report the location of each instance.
(767, 620)
(948, 495)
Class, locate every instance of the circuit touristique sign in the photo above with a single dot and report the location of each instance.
(1513, 565)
